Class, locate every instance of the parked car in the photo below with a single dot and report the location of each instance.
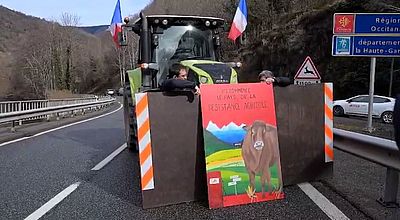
(358, 105)
(111, 92)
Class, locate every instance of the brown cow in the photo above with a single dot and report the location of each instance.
(260, 151)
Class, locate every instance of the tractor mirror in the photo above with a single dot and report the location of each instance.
(226, 27)
(136, 29)
(155, 40)
(217, 40)
(122, 38)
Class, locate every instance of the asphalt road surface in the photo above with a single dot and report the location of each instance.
(64, 174)
(359, 124)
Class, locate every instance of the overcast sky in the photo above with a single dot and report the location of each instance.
(91, 12)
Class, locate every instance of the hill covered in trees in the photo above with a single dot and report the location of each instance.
(282, 33)
(95, 30)
(38, 56)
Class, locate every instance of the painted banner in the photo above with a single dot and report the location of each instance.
(241, 144)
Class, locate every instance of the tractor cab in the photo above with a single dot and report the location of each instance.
(167, 40)
(192, 41)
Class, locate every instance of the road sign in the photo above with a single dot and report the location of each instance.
(367, 23)
(307, 73)
(237, 179)
(373, 35)
(370, 46)
(232, 183)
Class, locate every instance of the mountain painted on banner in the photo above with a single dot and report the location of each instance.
(230, 133)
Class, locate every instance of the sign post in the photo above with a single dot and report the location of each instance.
(369, 35)
(371, 94)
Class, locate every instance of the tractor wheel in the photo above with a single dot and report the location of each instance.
(130, 119)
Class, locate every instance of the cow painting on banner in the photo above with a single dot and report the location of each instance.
(241, 144)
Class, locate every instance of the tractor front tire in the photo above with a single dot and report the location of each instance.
(130, 120)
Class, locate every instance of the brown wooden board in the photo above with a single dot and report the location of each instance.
(301, 121)
(177, 149)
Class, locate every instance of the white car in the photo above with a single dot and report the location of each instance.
(110, 92)
(358, 105)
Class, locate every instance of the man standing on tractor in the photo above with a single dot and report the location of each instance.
(180, 81)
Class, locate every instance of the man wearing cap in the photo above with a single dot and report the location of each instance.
(267, 76)
(180, 81)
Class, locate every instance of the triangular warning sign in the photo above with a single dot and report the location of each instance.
(307, 70)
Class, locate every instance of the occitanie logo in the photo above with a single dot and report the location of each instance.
(344, 21)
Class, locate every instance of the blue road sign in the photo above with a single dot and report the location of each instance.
(370, 46)
(367, 23)
(377, 24)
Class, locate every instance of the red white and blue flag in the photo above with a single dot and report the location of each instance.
(116, 23)
(239, 21)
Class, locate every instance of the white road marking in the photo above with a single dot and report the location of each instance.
(109, 158)
(322, 202)
(13, 141)
(55, 129)
(53, 202)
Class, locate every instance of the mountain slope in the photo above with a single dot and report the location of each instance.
(213, 143)
(95, 30)
(14, 27)
(38, 56)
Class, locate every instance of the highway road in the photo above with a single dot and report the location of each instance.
(68, 173)
(359, 124)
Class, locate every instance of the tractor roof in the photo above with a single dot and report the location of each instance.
(190, 17)
(182, 19)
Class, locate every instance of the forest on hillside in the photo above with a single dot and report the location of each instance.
(39, 58)
(55, 55)
(282, 33)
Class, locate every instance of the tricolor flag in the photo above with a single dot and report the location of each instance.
(239, 21)
(116, 23)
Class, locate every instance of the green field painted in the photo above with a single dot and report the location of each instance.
(228, 171)
(224, 155)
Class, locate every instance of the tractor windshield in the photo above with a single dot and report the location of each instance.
(181, 43)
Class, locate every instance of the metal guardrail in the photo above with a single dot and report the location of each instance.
(377, 150)
(34, 113)
(14, 106)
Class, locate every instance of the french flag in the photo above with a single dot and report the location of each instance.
(116, 23)
(239, 21)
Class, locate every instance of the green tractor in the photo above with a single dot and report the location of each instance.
(165, 40)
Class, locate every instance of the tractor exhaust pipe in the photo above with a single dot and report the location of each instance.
(145, 52)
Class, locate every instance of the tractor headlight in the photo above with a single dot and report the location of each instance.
(144, 65)
(203, 79)
(165, 22)
(207, 23)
